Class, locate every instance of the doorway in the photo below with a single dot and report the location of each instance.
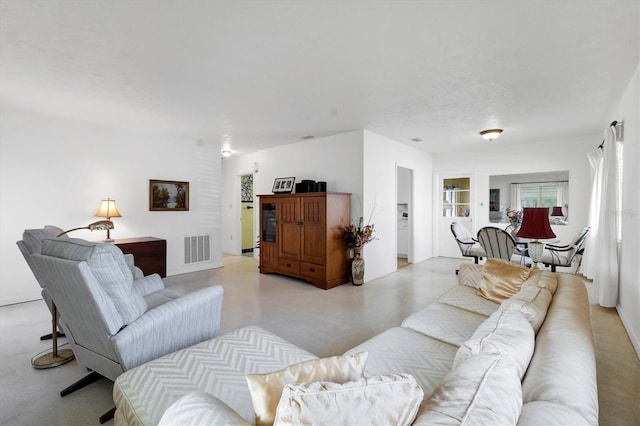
(404, 206)
(246, 214)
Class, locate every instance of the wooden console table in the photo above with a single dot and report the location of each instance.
(149, 253)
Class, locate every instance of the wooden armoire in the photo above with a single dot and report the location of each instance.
(301, 235)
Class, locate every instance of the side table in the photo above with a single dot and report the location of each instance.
(149, 253)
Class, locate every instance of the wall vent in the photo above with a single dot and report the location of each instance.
(197, 248)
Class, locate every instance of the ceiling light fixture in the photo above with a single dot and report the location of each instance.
(226, 152)
(490, 134)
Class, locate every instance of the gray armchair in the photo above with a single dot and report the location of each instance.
(31, 244)
(113, 322)
(469, 246)
(564, 255)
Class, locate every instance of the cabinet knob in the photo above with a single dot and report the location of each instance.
(288, 265)
(312, 269)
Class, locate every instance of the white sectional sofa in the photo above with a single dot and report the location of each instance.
(529, 360)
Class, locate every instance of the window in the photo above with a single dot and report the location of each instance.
(540, 195)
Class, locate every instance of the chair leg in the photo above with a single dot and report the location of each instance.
(553, 268)
(85, 381)
(107, 416)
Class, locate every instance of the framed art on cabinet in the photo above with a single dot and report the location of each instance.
(168, 195)
(283, 185)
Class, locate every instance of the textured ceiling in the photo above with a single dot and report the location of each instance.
(264, 73)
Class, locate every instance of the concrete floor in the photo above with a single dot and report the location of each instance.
(322, 322)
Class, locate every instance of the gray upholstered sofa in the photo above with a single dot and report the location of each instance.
(529, 360)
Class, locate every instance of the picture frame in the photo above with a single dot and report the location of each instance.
(494, 200)
(283, 185)
(168, 195)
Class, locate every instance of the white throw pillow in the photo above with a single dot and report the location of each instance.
(542, 279)
(482, 390)
(391, 399)
(533, 302)
(201, 408)
(470, 274)
(266, 389)
(506, 333)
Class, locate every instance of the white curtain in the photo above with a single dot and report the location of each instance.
(601, 249)
(563, 198)
(515, 197)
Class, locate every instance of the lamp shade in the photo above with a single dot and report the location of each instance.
(108, 209)
(557, 211)
(535, 224)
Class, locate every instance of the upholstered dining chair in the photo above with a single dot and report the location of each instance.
(564, 255)
(498, 243)
(114, 322)
(469, 246)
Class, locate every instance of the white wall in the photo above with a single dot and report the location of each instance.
(55, 171)
(360, 162)
(381, 158)
(566, 154)
(628, 110)
(336, 160)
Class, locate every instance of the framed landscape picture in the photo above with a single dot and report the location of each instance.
(168, 195)
(494, 200)
(283, 185)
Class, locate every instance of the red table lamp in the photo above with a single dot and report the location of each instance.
(535, 225)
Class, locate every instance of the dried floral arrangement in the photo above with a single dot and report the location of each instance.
(514, 216)
(358, 235)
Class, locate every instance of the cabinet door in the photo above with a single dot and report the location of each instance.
(314, 222)
(268, 233)
(289, 227)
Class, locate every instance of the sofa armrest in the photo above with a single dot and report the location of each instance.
(169, 327)
(200, 408)
(144, 286)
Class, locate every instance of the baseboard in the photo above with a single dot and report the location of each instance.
(635, 341)
(5, 301)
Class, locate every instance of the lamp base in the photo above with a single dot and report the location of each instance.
(108, 240)
(535, 250)
(49, 360)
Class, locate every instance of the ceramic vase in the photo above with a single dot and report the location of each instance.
(357, 267)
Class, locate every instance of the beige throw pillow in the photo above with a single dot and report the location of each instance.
(391, 399)
(501, 279)
(266, 389)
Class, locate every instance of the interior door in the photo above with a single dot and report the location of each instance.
(456, 205)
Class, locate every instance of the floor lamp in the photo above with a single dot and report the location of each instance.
(61, 356)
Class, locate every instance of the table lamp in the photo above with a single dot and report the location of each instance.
(556, 214)
(535, 225)
(108, 209)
